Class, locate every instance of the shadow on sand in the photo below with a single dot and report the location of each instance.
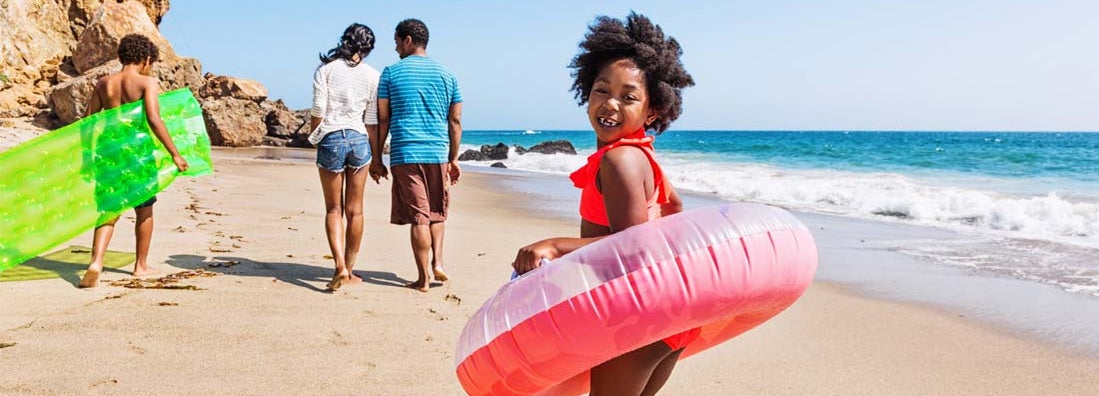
(70, 272)
(298, 274)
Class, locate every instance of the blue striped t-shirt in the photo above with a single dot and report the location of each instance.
(420, 92)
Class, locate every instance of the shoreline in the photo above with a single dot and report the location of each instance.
(263, 325)
(1047, 314)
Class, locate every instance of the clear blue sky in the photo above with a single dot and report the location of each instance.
(847, 65)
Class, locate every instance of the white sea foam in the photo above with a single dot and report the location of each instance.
(1051, 216)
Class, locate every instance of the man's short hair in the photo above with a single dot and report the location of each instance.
(135, 48)
(414, 28)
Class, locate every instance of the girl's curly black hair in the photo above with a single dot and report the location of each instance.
(638, 39)
(356, 39)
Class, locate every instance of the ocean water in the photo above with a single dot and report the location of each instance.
(1026, 204)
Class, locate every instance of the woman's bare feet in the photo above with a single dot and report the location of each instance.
(338, 282)
(91, 277)
(343, 277)
(440, 275)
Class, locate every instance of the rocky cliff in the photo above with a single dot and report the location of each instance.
(53, 51)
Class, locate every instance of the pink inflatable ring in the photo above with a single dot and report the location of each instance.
(722, 269)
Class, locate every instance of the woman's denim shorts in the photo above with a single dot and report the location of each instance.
(345, 148)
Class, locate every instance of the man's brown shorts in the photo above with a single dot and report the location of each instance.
(421, 193)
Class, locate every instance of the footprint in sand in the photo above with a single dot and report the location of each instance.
(438, 316)
(103, 382)
(136, 349)
(453, 298)
(337, 339)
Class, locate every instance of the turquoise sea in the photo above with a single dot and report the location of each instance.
(1026, 203)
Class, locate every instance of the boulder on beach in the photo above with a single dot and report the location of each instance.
(472, 155)
(495, 152)
(553, 147)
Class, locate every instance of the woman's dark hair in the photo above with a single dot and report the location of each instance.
(414, 28)
(134, 48)
(357, 39)
(639, 40)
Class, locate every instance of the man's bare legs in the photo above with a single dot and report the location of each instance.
(421, 251)
(332, 186)
(143, 229)
(437, 231)
(100, 239)
(353, 211)
(427, 249)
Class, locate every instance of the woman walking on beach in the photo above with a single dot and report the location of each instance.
(345, 105)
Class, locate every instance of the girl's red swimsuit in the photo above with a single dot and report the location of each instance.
(594, 210)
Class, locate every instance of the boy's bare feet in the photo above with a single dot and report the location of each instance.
(354, 279)
(440, 275)
(420, 286)
(91, 277)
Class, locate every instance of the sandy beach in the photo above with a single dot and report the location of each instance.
(264, 325)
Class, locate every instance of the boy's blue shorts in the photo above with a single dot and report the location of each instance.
(146, 204)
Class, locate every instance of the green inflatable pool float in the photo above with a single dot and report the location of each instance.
(67, 181)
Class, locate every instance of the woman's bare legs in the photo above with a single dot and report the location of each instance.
(332, 186)
(353, 211)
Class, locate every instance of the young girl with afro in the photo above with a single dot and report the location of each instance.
(631, 78)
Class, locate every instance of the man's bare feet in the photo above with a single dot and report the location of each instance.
(91, 277)
(440, 275)
(420, 286)
(355, 279)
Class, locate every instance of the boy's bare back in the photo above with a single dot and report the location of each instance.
(133, 83)
(121, 88)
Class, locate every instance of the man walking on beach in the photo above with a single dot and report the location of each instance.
(419, 102)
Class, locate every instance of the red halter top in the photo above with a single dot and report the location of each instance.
(592, 207)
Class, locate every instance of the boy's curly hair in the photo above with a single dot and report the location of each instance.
(134, 48)
(640, 40)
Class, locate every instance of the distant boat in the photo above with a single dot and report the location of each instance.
(531, 132)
